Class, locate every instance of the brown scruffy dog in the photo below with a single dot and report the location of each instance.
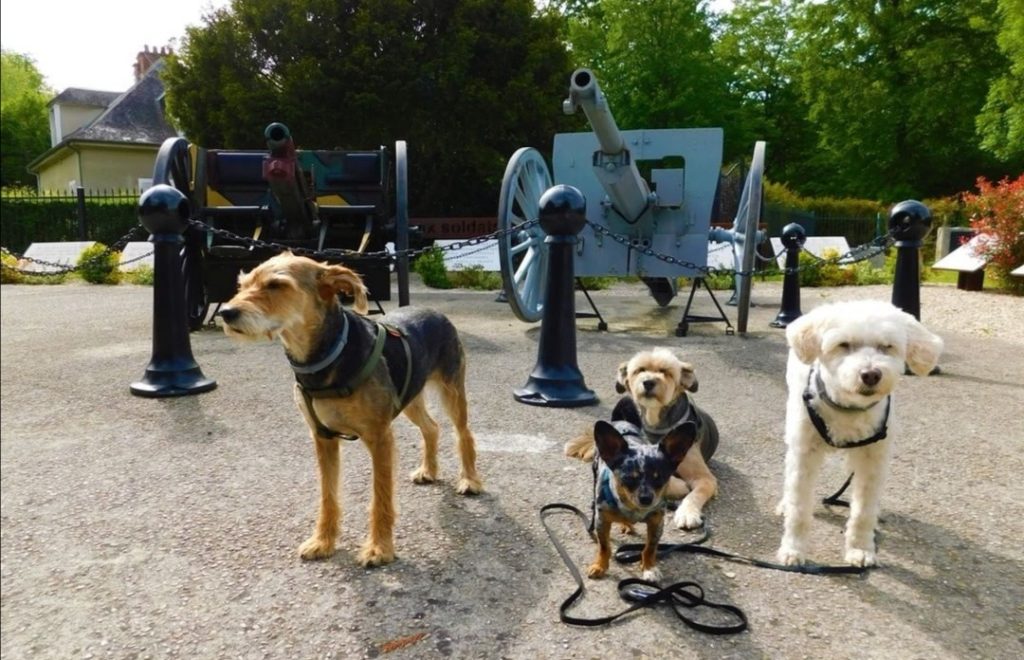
(353, 377)
(658, 385)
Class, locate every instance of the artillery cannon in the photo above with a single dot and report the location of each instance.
(633, 220)
(253, 203)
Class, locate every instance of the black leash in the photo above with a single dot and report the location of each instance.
(641, 593)
(680, 595)
(833, 499)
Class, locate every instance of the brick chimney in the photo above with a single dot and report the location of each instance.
(146, 58)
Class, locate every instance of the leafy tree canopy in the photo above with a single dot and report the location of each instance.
(24, 122)
(1001, 121)
(464, 83)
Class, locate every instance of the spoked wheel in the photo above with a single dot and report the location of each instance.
(402, 221)
(523, 254)
(745, 246)
(174, 167)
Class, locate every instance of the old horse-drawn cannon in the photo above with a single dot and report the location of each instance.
(658, 227)
(251, 204)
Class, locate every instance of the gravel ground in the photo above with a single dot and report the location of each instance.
(167, 528)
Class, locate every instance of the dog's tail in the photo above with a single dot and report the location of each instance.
(582, 446)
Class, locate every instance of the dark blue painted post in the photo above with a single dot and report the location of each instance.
(172, 370)
(909, 222)
(793, 239)
(556, 380)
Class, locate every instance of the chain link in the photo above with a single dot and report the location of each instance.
(63, 269)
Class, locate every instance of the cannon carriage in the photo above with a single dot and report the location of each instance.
(253, 203)
(650, 195)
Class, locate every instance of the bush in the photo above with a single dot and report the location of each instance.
(430, 266)
(997, 210)
(475, 277)
(142, 275)
(825, 274)
(98, 266)
(9, 273)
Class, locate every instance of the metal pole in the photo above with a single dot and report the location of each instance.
(909, 222)
(83, 228)
(556, 380)
(793, 238)
(172, 370)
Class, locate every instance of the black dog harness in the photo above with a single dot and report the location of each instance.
(345, 388)
(818, 392)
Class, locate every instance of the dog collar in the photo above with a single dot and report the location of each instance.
(332, 355)
(822, 428)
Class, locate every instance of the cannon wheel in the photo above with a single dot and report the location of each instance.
(402, 221)
(173, 167)
(747, 218)
(523, 254)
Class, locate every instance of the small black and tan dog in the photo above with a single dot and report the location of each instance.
(657, 385)
(632, 477)
(353, 377)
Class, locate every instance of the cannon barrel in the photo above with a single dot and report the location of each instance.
(279, 140)
(613, 163)
(585, 94)
(288, 185)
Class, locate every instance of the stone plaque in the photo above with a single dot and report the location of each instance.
(65, 254)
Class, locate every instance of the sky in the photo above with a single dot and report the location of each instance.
(93, 44)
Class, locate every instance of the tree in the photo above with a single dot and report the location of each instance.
(464, 83)
(24, 121)
(654, 60)
(1001, 121)
(894, 87)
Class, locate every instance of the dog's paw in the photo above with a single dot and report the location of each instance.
(375, 555)
(790, 556)
(422, 475)
(627, 528)
(596, 571)
(687, 517)
(469, 486)
(652, 574)
(316, 547)
(861, 557)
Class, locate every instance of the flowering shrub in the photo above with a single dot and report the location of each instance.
(997, 210)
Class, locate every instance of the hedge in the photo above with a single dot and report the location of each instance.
(32, 218)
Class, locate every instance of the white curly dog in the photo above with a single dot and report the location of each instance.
(844, 361)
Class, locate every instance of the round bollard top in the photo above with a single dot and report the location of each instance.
(909, 220)
(793, 236)
(164, 209)
(563, 210)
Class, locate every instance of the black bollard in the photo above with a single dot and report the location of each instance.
(556, 380)
(793, 239)
(172, 370)
(909, 222)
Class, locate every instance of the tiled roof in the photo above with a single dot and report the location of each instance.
(91, 97)
(135, 117)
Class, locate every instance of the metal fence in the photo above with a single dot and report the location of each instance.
(30, 217)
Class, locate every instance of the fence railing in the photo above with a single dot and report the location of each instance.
(30, 217)
(857, 230)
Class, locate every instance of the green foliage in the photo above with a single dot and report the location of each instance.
(24, 122)
(599, 282)
(1000, 123)
(430, 266)
(98, 266)
(879, 78)
(475, 277)
(9, 273)
(142, 275)
(464, 83)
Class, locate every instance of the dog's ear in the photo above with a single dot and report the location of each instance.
(332, 280)
(620, 378)
(804, 337)
(923, 347)
(678, 441)
(611, 446)
(687, 377)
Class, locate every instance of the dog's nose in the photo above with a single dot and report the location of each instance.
(645, 499)
(870, 377)
(229, 314)
(649, 384)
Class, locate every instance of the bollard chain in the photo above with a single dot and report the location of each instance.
(63, 269)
